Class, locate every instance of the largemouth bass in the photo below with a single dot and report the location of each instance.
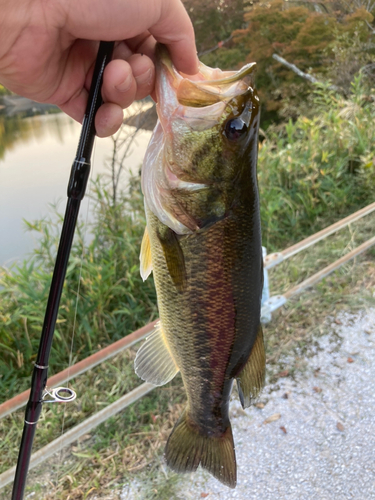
(203, 244)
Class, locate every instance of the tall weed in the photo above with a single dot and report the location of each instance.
(111, 302)
(312, 172)
(318, 169)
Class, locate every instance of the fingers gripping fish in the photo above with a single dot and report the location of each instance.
(203, 244)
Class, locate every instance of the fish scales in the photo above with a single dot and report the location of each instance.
(212, 325)
(203, 243)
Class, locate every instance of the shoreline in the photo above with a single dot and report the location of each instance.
(11, 105)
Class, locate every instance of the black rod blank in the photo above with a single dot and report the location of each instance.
(76, 190)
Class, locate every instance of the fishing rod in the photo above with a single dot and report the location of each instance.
(76, 190)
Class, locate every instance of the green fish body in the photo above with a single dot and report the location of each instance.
(203, 244)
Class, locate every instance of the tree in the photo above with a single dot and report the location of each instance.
(215, 20)
(317, 40)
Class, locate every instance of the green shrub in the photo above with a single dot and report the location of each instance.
(329, 40)
(112, 300)
(319, 169)
(311, 173)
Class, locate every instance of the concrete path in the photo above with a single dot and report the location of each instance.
(315, 437)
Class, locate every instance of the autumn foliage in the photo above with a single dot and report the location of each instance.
(215, 20)
(307, 38)
(332, 40)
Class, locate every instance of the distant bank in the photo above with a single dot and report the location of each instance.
(12, 105)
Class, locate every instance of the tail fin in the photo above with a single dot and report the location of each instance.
(187, 448)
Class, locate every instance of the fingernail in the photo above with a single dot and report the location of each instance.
(126, 84)
(144, 77)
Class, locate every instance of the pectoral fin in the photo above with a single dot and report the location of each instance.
(251, 379)
(174, 257)
(154, 362)
(145, 256)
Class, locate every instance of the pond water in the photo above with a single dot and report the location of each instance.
(35, 159)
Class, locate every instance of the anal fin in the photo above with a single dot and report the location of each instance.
(154, 362)
(251, 379)
(145, 256)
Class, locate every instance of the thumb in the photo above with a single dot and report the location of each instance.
(166, 20)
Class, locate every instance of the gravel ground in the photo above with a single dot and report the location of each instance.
(320, 441)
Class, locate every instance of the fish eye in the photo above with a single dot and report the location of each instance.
(235, 129)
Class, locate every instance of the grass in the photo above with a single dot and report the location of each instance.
(129, 446)
(120, 444)
(311, 173)
(350, 287)
(308, 179)
(318, 169)
(112, 300)
(325, 252)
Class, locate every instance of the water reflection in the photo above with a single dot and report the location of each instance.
(35, 159)
(12, 130)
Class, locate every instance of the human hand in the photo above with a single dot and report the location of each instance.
(48, 51)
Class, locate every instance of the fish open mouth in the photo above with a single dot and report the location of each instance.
(209, 86)
(182, 185)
